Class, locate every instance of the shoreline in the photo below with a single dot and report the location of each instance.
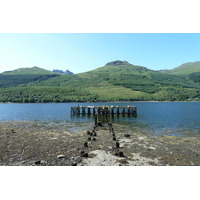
(100, 102)
(33, 144)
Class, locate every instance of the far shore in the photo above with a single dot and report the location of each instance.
(100, 102)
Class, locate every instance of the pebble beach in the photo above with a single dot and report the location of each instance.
(33, 144)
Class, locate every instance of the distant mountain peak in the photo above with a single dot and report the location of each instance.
(118, 62)
(67, 72)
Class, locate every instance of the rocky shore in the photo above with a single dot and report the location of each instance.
(33, 144)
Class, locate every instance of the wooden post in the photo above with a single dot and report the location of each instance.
(98, 110)
(94, 111)
(78, 110)
(107, 112)
(133, 110)
(118, 110)
(103, 111)
(121, 154)
(89, 111)
(85, 144)
(112, 110)
(96, 120)
(117, 144)
(83, 110)
(129, 110)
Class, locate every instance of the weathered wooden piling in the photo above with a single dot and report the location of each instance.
(112, 110)
(85, 144)
(118, 110)
(123, 111)
(121, 154)
(117, 144)
(78, 110)
(94, 133)
(129, 110)
(88, 132)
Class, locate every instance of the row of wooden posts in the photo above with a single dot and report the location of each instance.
(104, 110)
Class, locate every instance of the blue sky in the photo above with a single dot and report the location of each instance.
(81, 52)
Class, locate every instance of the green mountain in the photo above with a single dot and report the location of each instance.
(116, 81)
(24, 76)
(190, 70)
(186, 69)
(33, 70)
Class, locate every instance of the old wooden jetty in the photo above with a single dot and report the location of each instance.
(104, 110)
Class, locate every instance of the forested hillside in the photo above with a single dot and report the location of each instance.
(116, 81)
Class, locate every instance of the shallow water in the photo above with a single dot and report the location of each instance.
(154, 118)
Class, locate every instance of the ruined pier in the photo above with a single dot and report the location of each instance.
(104, 110)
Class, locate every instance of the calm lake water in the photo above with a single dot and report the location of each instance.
(155, 118)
